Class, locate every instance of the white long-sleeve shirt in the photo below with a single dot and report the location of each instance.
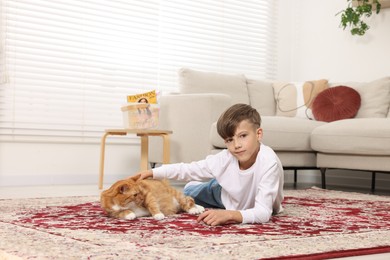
(256, 192)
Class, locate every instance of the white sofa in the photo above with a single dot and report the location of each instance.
(359, 143)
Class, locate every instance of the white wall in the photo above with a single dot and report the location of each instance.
(311, 46)
(51, 163)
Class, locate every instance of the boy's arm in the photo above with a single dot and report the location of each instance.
(194, 171)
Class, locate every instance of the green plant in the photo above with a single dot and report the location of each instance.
(353, 16)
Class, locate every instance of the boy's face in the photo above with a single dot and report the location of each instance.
(245, 143)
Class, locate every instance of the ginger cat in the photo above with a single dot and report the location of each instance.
(132, 198)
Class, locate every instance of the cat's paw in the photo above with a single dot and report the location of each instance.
(197, 209)
(130, 216)
(159, 216)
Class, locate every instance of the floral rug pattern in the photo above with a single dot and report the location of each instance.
(315, 223)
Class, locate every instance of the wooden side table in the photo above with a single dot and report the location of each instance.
(144, 134)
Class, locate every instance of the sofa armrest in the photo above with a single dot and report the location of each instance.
(190, 117)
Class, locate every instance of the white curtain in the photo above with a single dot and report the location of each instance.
(66, 66)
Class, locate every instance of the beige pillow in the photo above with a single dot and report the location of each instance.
(295, 99)
(375, 97)
(193, 81)
(261, 96)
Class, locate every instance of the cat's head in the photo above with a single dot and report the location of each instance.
(121, 195)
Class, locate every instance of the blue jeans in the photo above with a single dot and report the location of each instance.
(206, 194)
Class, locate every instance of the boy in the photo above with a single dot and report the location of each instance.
(246, 183)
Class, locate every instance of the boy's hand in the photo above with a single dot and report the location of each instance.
(142, 175)
(146, 174)
(220, 217)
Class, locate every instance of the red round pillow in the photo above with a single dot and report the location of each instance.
(336, 103)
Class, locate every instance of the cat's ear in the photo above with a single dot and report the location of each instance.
(123, 188)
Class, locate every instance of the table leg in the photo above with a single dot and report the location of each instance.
(144, 152)
(102, 151)
(166, 149)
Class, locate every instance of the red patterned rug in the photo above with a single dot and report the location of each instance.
(316, 224)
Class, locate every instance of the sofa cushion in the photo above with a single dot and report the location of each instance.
(368, 136)
(375, 97)
(295, 99)
(261, 96)
(193, 81)
(288, 134)
(280, 133)
(336, 103)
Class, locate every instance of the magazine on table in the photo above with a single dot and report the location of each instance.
(141, 111)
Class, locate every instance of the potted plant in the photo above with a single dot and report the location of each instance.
(356, 12)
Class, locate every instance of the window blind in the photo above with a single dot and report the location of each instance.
(66, 66)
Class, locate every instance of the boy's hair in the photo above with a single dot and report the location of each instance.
(233, 116)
